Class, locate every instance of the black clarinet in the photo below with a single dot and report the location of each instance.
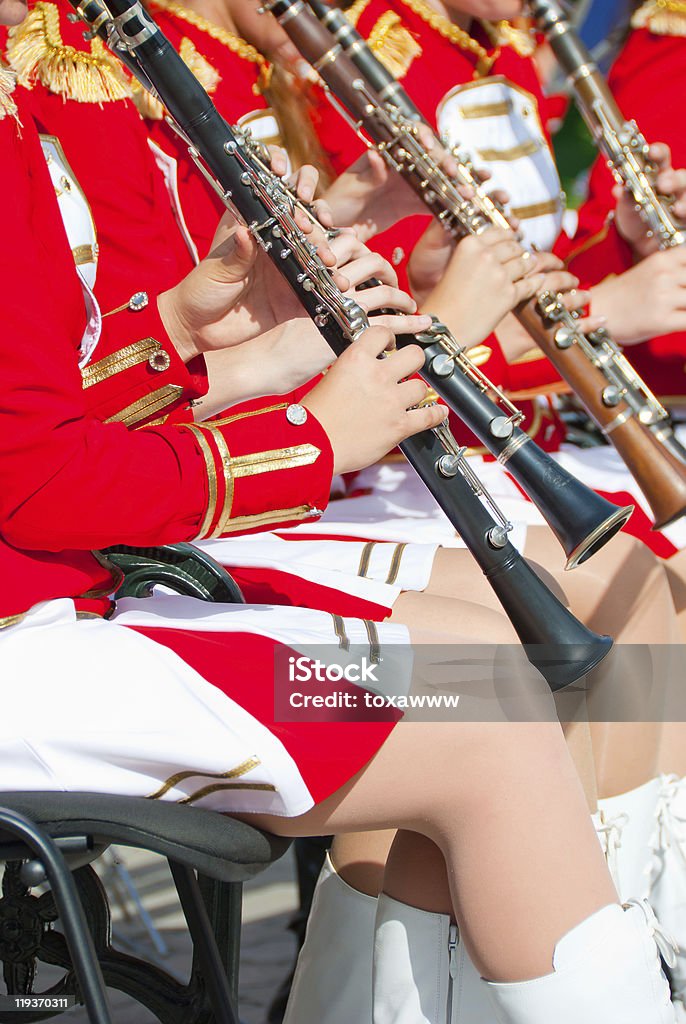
(561, 647)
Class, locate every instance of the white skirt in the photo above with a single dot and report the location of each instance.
(94, 705)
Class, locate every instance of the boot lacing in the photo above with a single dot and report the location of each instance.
(610, 834)
(670, 834)
(664, 947)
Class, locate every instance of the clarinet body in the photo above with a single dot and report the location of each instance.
(557, 643)
(619, 140)
(628, 157)
(615, 396)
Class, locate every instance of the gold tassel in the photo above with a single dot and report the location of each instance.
(393, 44)
(8, 80)
(207, 75)
(502, 33)
(663, 17)
(35, 51)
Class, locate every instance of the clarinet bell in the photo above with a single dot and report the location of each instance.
(561, 647)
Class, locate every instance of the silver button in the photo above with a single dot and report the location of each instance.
(138, 301)
(296, 414)
(397, 256)
(159, 360)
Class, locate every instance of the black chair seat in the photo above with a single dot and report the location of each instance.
(213, 844)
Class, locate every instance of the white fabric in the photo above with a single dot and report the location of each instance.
(633, 816)
(529, 179)
(411, 972)
(605, 969)
(80, 229)
(264, 127)
(93, 706)
(334, 564)
(668, 880)
(338, 946)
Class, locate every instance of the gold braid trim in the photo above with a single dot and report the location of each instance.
(35, 51)
(8, 81)
(663, 17)
(502, 33)
(393, 45)
(151, 108)
(222, 35)
(455, 34)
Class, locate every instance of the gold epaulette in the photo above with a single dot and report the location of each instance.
(502, 33)
(151, 108)
(393, 45)
(36, 53)
(663, 17)
(8, 81)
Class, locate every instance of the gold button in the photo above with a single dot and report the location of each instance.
(159, 361)
(65, 183)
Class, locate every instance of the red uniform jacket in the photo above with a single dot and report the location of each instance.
(648, 80)
(71, 481)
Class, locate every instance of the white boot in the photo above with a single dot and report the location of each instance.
(333, 979)
(413, 950)
(629, 823)
(668, 889)
(605, 971)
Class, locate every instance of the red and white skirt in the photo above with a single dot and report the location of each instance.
(173, 699)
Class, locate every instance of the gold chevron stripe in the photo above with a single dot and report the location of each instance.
(273, 460)
(116, 362)
(527, 148)
(365, 558)
(276, 515)
(147, 406)
(395, 563)
(232, 773)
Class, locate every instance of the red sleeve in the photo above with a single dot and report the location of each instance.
(69, 480)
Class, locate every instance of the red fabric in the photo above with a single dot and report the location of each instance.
(328, 753)
(272, 586)
(648, 80)
(641, 526)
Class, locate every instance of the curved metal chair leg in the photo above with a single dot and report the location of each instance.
(76, 931)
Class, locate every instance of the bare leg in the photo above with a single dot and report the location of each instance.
(622, 591)
(672, 755)
(477, 791)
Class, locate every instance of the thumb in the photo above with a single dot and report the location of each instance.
(378, 167)
(232, 259)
